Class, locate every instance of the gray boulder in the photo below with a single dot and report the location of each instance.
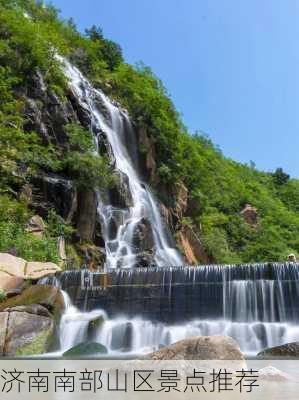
(200, 348)
(288, 350)
(25, 330)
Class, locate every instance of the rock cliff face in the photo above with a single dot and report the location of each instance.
(48, 115)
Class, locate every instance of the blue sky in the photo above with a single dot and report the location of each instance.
(230, 66)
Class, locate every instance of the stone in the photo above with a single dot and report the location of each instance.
(181, 202)
(54, 191)
(87, 209)
(28, 334)
(13, 292)
(143, 238)
(36, 226)
(34, 120)
(120, 194)
(14, 270)
(147, 155)
(9, 282)
(145, 260)
(3, 329)
(250, 215)
(94, 326)
(288, 350)
(93, 256)
(85, 349)
(35, 309)
(12, 265)
(273, 374)
(37, 270)
(61, 248)
(48, 296)
(192, 247)
(200, 348)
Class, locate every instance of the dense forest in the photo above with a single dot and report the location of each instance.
(218, 189)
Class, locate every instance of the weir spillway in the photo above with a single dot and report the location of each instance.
(146, 308)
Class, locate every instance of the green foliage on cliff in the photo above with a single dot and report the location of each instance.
(13, 236)
(218, 188)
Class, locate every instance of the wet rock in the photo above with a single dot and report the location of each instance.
(87, 209)
(200, 348)
(94, 327)
(54, 191)
(143, 238)
(145, 260)
(128, 337)
(120, 195)
(289, 350)
(85, 349)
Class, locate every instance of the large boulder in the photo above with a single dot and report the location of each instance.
(14, 270)
(28, 321)
(12, 265)
(47, 296)
(37, 270)
(26, 333)
(288, 350)
(200, 348)
(273, 374)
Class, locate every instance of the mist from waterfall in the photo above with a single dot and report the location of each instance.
(116, 125)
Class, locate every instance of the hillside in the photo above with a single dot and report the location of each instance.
(48, 165)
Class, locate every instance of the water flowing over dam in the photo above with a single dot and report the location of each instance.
(133, 310)
(143, 309)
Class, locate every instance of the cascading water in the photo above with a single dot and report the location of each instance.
(116, 125)
(255, 304)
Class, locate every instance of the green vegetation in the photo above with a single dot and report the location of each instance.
(83, 164)
(2, 295)
(218, 188)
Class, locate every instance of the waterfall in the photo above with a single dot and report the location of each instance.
(255, 304)
(115, 124)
